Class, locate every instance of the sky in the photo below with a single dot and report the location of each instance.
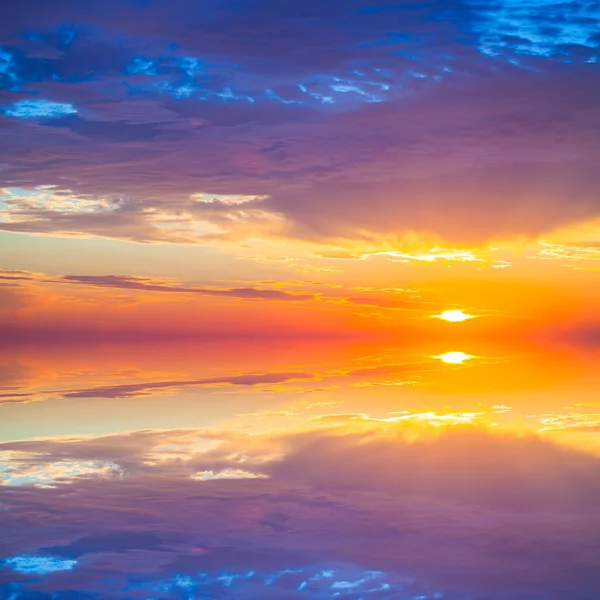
(299, 299)
(300, 149)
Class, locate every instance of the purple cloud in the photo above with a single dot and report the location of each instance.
(465, 119)
(129, 282)
(459, 513)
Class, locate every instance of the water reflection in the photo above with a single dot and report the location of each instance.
(315, 469)
(259, 385)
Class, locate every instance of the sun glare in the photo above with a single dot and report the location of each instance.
(454, 316)
(454, 358)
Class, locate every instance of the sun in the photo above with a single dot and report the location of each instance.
(454, 358)
(454, 316)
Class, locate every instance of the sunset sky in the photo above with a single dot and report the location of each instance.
(315, 167)
(299, 299)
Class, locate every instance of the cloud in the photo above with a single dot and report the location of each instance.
(30, 109)
(395, 304)
(135, 389)
(570, 422)
(24, 469)
(10, 276)
(38, 565)
(130, 282)
(367, 510)
(466, 121)
(535, 28)
(227, 474)
(132, 390)
(112, 540)
(154, 284)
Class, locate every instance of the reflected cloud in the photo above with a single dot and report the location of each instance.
(570, 422)
(426, 419)
(426, 504)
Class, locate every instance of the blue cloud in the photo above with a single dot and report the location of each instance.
(38, 565)
(36, 109)
(67, 35)
(538, 28)
(7, 68)
(141, 65)
(269, 93)
(343, 581)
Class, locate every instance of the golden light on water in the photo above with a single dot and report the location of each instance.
(454, 316)
(454, 358)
